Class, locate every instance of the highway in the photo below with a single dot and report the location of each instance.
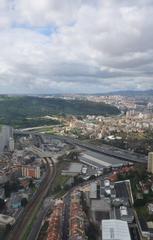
(111, 151)
(121, 154)
(22, 225)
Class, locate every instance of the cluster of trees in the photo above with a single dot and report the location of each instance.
(15, 111)
(138, 142)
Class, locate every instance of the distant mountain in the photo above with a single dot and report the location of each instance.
(129, 93)
(121, 93)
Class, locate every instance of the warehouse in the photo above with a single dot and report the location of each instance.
(99, 160)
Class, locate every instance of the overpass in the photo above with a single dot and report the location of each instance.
(121, 154)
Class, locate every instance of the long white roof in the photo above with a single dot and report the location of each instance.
(115, 230)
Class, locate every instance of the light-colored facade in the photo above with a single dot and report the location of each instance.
(31, 171)
(6, 133)
(5, 220)
(113, 229)
(150, 162)
(11, 144)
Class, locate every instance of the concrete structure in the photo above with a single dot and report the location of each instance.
(93, 190)
(115, 229)
(73, 170)
(99, 160)
(125, 214)
(100, 209)
(6, 220)
(150, 162)
(110, 200)
(150, 208)
(11, 144)
(31, 171)
(6, 133)
(15, 201)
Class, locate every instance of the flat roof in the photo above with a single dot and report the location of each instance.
(102, 159)
(100, 205)
(93, 190)
(75, 167)
(121, 190)
(115, 230)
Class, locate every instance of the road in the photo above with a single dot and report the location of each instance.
(38, 224)
(121, 154)
(110, 151)
(23, 223)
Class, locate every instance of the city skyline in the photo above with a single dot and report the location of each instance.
(75, 46)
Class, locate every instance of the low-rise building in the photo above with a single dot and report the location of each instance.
(115, 229)
(31, 171)
(6, 220)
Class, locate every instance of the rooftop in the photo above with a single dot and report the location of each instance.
(115, 230)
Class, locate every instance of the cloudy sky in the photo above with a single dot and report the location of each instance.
(68, 46)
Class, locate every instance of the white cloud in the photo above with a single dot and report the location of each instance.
(93, 46)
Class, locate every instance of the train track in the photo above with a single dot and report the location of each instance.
(20, 229)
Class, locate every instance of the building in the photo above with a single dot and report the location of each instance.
(93, 190)
(15, 201)
(76, 219)
(6, 133)
(73, 170)
(55, 222)
(115, 229)
(24, 182)
(11, 144)
(6, 220)
(124, 213)
(31, 171)
(150, 162)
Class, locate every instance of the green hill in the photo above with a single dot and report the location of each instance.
(15, 110)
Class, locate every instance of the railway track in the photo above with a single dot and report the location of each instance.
(22, 225)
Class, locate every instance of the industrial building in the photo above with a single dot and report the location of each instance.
(113, 229)
(100, 160)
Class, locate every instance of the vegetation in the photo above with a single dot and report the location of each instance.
(27, 111)
(138, 142)
(92, 231)
(60, 183)
(140, 175)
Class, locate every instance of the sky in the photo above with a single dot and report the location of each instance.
(75, 46)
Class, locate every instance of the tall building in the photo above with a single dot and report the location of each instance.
(150, 162)
(6, 133)
(11, 144)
